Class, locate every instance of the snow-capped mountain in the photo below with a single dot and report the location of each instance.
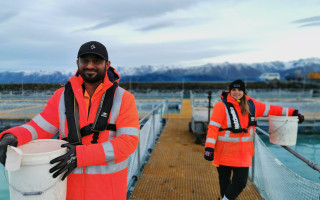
(34, 77)
(208, 72)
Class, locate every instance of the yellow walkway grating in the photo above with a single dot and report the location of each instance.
(176, 168)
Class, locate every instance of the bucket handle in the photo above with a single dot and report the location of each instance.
(28, 193)
(284, 123)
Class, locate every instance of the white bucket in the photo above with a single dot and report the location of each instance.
(33, 180)
(283, 130)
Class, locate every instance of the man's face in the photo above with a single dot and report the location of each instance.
(92, 68)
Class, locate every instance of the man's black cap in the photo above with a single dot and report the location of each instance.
(93, 47)
(238, 84)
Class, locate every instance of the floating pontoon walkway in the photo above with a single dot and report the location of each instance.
(176, 168)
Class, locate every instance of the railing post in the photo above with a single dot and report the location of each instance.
(153, 126)
(253, 159)
(139, 158)
(161, 112)
(167, 102)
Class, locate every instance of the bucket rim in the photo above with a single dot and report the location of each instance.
(283, 118)
(42, 141)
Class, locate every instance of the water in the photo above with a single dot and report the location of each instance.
(307, 145)
(4, 188)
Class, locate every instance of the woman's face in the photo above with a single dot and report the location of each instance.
(236, 93)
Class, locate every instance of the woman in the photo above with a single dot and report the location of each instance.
(229, 142)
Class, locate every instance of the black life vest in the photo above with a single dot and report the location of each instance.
(101, 121)
(234, 118)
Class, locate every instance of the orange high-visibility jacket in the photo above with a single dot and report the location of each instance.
(102, 168)
(236, 149)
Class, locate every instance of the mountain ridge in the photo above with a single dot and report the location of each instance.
(208, 72)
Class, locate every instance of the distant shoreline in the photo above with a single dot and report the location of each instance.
(168, 86)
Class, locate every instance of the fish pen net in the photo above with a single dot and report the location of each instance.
(275, 181)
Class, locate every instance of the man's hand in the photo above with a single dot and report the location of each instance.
(7, 139)
(67, 162)
(299, 115)
(209, 154)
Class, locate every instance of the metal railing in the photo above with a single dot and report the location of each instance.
(150, 128)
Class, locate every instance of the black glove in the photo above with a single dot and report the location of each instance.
(68, 162)
(7, 139)
(209, 154)
(300, 116)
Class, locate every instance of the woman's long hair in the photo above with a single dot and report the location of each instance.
(244, 105)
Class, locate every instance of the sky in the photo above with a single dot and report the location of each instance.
(46, 35)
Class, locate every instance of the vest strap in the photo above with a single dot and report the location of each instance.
(87, 130)
(103, 113)
(235, 123)
(101, 121)
(244, 130)
(72, 115)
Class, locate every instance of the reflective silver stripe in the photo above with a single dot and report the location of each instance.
(266, 111)
(247, 139)
(228, 139)
(77, 170)
(116, 105)
(128, 131)
(228, 116)
(108, 151)
(227, 134)
(111, 135)
(215, 124)
(62, 116)
(250, 138)
(284, 111)
(44, 124)
(107, 169)
(210, 140)
(32, 131)
(115, 109)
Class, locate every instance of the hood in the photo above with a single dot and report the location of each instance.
(112, 75)
(226, 95)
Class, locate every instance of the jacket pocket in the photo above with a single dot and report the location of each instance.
(231, 151)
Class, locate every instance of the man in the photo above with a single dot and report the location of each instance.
(99, 120)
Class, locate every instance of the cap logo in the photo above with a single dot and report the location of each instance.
(92, 47)
(236, 85)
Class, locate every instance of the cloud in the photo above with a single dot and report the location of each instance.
(311, 24)
(307, 20)
(47, 34)
(113, 12)
(6, 16)
(156, 26)
(175, 52)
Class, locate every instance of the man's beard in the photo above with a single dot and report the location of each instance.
(99, 77)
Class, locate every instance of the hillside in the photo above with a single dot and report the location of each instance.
(203, 73)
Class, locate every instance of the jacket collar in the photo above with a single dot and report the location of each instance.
(226, 94)
(111, 77)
